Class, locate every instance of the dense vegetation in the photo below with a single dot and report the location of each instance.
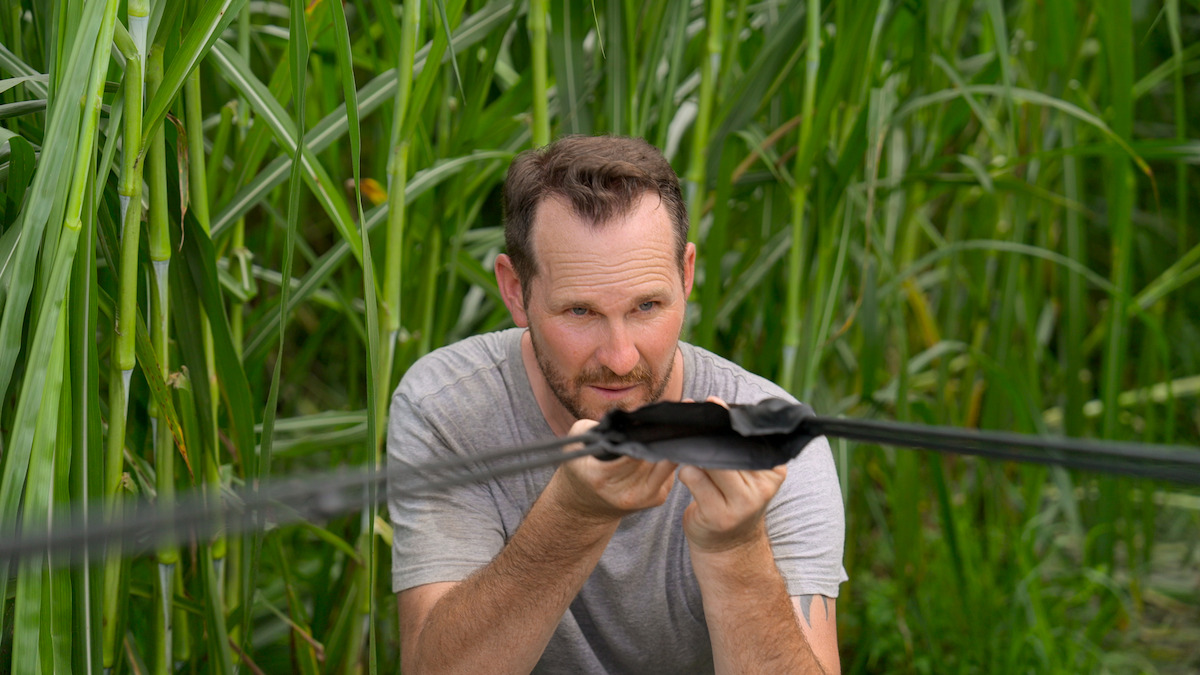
(976, 214)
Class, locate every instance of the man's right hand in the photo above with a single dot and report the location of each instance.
(500, 619)
(604, 491)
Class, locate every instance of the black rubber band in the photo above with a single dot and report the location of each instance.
(747, 437)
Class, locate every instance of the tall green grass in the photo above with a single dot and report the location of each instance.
(963, 213)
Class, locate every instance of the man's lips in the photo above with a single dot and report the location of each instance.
(613, 391)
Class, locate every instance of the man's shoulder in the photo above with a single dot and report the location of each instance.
(714, 375)
(479, 357)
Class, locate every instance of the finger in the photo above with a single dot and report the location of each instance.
(718, 400)
(621, 466)
(699, 482)
(768, 479)
(735, 486)
(618, 466)
(661, 471)
(751, 489)
(581, 427)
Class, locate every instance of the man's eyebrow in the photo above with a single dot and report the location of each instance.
(564, 303)
(567, 303)
(650, 296)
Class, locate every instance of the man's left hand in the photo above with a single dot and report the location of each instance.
(727, 506)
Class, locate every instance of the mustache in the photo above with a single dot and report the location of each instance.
(604, 377)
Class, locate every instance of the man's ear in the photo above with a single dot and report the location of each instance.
(510, 290)
(689, 269)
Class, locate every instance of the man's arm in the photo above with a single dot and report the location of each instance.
(818, 621)
(752, 622)
(501, 618)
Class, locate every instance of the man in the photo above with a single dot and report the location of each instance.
(598, 566)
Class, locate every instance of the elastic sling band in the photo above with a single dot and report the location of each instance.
(703, 434)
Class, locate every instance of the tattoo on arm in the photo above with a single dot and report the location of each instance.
(806, 606)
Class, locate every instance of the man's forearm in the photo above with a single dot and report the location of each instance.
(751, 622)
(501, 618)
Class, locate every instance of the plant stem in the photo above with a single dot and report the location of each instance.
(697, 173)
(164, 449)
(139, 22)
(797, 255)
(1181, 123)
(194, 120)
(216, 168)
(198, 199)
(537, 44)
(238, 241)
(397, 184)
(125, 329)
(131, 215)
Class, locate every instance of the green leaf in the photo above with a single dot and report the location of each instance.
(925, 261)
(374, 94)
(47, 198)
(158, 390)
(1026, 96)
(261, 468)
(214, 613)
(59, 608)
(85, 440)
(10, 82)
(239, 74)
(42, 371)
(194, 284)
(302, 649)
(212, 20)
(13, 64)
(20, 173)
(346, 70)
(9, 110)
(420, 184)
(27, 617)
(568, 61)
(445, 21)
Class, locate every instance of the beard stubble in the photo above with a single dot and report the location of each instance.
(569, 391)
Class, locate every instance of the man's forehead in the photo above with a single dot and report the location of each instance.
(599, 212)
(558, 222)
(601, 270)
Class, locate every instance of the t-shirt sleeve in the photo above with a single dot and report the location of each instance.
(806, 520)
(441, 534)
(806, 523)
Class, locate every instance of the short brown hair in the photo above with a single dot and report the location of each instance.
(601, 177)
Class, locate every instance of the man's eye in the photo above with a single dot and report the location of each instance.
(578, 311)
(647, 306)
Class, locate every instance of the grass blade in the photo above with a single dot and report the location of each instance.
(212, 20)
(238, 73)
(346, 70)
(260, 469)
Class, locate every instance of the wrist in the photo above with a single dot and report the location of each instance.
(578, 513)
(555, 536)
(743, 559)
(731, 543)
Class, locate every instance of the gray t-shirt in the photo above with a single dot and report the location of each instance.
(640, 611)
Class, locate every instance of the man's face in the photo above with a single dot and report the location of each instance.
(606, 307)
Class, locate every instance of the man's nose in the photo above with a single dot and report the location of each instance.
(619, 353)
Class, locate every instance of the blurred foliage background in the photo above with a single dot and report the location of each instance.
(970, 213)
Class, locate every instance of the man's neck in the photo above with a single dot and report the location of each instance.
(559, 418)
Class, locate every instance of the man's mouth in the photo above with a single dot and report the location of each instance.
(613, 390)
